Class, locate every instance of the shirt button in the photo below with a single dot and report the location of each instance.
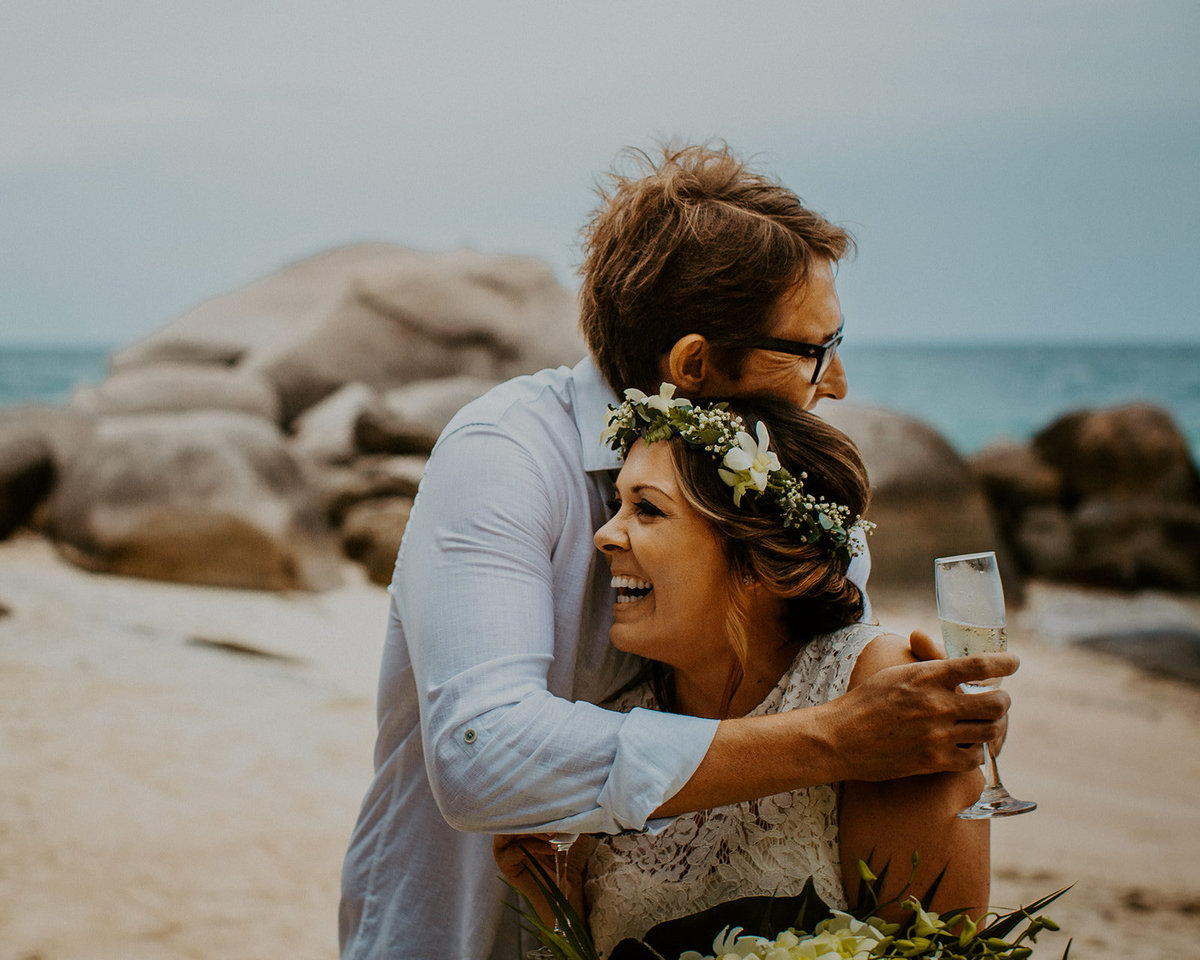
(469, 736)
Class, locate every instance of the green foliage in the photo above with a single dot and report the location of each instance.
(924, 935)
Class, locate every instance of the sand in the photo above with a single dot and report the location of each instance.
(180, 767)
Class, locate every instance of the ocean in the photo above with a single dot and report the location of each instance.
(972, 395)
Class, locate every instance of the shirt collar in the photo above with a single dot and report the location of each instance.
(593, 396)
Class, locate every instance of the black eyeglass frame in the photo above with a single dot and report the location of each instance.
(823, 353)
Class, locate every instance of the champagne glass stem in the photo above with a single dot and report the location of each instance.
(991, 774)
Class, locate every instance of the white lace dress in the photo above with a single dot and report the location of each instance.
(760, 847)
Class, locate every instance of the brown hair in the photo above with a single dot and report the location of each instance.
(822, 598)
(697, 242)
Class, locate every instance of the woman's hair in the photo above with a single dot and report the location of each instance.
(695, 242)
(821, 597)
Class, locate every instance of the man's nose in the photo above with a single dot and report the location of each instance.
(833, 384)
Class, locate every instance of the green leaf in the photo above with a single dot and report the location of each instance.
(574, 942)
(1006, 924)
(761, 916)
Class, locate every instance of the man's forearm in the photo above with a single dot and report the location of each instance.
(754, 757)
(904, 721)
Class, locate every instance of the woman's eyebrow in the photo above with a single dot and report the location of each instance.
(641, 487)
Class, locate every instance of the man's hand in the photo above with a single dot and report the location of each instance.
(911, 719)
(510, 850)
(925, 647)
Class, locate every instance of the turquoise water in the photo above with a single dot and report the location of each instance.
(977, 394)
(971, 394)
(48, 374)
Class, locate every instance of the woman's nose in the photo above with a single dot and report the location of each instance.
(611, 536)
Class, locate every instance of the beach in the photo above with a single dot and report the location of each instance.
(182, 766)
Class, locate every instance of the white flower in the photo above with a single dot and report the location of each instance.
(662, 402)
(927, 922)
(749, 464)
(609, 431)
(730, 945)
(753, 457)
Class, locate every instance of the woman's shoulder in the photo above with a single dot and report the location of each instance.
(822, 668)
(882, 650)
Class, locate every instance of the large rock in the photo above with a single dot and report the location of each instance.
(380, 315)
(325, 432)
(1137, 544)
(1131, 452)
(174, 387)
(26, 476)
(66, 431)
(924, 498)
(261, 320)
(410, 419)
(340, 487)
(207, 497)
(36, 446)
(1101, 497)
(371, 534)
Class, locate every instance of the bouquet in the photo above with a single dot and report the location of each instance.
(803, 927)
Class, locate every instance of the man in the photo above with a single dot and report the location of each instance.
(717, 279)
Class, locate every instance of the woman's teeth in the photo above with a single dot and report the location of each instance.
(631, 589)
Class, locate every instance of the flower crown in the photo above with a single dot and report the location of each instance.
(747, 465)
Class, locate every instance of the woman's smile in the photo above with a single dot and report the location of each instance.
(631, 589)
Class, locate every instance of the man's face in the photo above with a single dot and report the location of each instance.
(809, 314)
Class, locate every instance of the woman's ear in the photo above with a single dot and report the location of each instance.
(689, 365)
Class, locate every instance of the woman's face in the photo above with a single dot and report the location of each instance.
(669, 567)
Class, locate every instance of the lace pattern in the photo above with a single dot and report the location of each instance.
(766, 846)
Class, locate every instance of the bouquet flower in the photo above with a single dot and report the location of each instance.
(803, 927)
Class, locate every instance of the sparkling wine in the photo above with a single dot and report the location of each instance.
(964, 639)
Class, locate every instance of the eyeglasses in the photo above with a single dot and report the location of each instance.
(822, 352)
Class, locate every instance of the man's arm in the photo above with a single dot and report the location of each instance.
(476, 611)
(902, 721)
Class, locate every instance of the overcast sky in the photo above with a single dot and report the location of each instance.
(1026, 169)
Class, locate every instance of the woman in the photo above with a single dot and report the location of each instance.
(728, 550)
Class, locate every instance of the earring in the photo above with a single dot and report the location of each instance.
(749, 580)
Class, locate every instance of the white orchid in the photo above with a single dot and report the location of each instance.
(663, 401)
(749, 464)
(927, 923)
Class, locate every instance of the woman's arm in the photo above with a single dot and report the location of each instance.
(888, 821)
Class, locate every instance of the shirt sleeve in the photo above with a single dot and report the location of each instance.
(473, 604)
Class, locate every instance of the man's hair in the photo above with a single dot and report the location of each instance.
(695, 242)
(821, 597)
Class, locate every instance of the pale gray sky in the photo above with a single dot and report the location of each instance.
(1026, 169)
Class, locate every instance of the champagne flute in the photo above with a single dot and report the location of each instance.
(561, 842)
(970, 605)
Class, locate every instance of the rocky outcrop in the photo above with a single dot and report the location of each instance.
(371, 534)
(1101, 497)
(36, 445)
(325, 433)
(368, 478)
(205, 497)
(924, 499)
(26, 476)
(166, 388)
(174, 387)
(376, 314)
(410, 419)
(231, 444)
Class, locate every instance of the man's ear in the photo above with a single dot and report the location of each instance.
(689, 365)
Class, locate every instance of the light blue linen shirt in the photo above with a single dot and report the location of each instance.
(497, 640)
